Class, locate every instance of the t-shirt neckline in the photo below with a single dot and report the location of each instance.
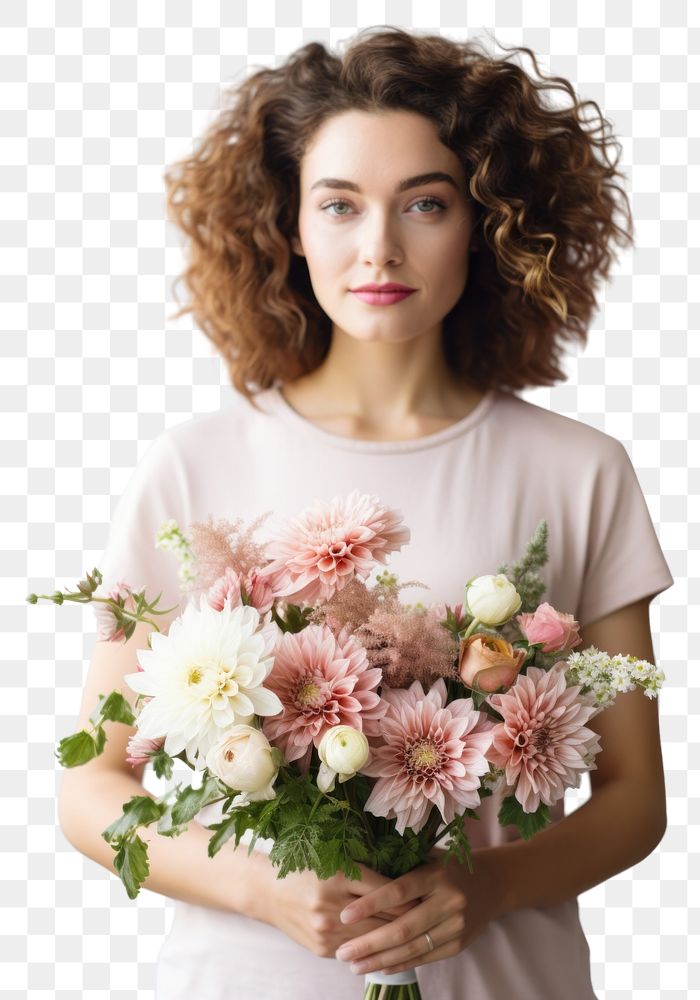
(285, 410)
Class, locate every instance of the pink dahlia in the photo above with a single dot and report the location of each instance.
(322, 681)
(228, 586)
(543, 742)
(318, 552)
(433, 754)
(234, 586)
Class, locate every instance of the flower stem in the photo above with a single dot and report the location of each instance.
(472, 626)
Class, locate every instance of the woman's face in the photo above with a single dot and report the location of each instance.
(375, 232)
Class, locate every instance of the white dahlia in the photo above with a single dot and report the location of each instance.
(205, 676)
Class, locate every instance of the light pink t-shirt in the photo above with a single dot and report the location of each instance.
(472, 495)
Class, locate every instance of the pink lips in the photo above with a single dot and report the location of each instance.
(375, 298)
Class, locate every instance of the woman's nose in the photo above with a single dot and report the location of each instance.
(379, 242)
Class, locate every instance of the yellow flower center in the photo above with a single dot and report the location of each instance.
(194, 676)
(308, 692)
(423, 758)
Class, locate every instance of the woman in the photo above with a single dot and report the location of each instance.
(427, 164)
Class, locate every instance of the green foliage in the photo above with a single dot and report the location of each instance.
(458, 846)
(511, 813)
(191, 800)
(80, 747)
(294, 619)
(524, 576)
(162, 764)
(138, 811)
(172, 811)
(131, 862)
(113, 708)
(84, 745)
(123, 619)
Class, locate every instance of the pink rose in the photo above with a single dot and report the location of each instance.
(558, 630)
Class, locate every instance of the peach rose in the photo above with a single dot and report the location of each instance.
(558, 631)
(487, 662)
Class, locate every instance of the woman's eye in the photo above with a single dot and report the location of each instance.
(341, 203)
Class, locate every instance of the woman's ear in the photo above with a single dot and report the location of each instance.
(296, 245)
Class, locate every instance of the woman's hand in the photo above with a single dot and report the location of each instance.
(308, 909)
(454, 906)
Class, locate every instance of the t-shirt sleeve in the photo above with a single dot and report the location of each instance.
(624, 559)
(155, 493)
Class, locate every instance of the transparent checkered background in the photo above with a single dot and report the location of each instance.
(96, 99)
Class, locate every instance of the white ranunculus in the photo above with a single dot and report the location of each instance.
(493, 600)
(244, 760)
(343, 750)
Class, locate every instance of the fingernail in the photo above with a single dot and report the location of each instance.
(347, 916)
(343, 953)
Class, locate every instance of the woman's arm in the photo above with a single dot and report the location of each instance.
(621, 824)
(92, 796)
(625, 817)
(301, 905)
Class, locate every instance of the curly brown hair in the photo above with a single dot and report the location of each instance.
(541, 177)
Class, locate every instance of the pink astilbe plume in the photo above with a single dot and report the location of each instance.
(408, 644)
(543, 742)
(433, 754)
(351, 606)
(319, 551)
(322, 681)
(218, 546)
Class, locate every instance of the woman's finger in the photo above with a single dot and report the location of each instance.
(383, 897)
(392, 935)
(416, 951)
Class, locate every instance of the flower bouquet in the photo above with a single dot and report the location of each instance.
(319, 711)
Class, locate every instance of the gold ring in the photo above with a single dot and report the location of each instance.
(431, 946)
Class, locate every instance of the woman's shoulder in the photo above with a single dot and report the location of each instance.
(546, 433)
(224, 426)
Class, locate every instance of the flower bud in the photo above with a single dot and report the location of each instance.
(343, 750)
(243, 760)
(493, 600)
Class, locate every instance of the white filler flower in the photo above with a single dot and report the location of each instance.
(205, 676)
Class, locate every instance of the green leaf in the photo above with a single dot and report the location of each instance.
(162, 764)
(131, 862)
(511, 813)
(191, 800)
(409, 855)
(115, 708)
(138, 811)
(224, 831)
(167, 827)
(296, 849)
(458, 845)
(79, 748)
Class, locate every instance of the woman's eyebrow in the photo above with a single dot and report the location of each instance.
(410, 182)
